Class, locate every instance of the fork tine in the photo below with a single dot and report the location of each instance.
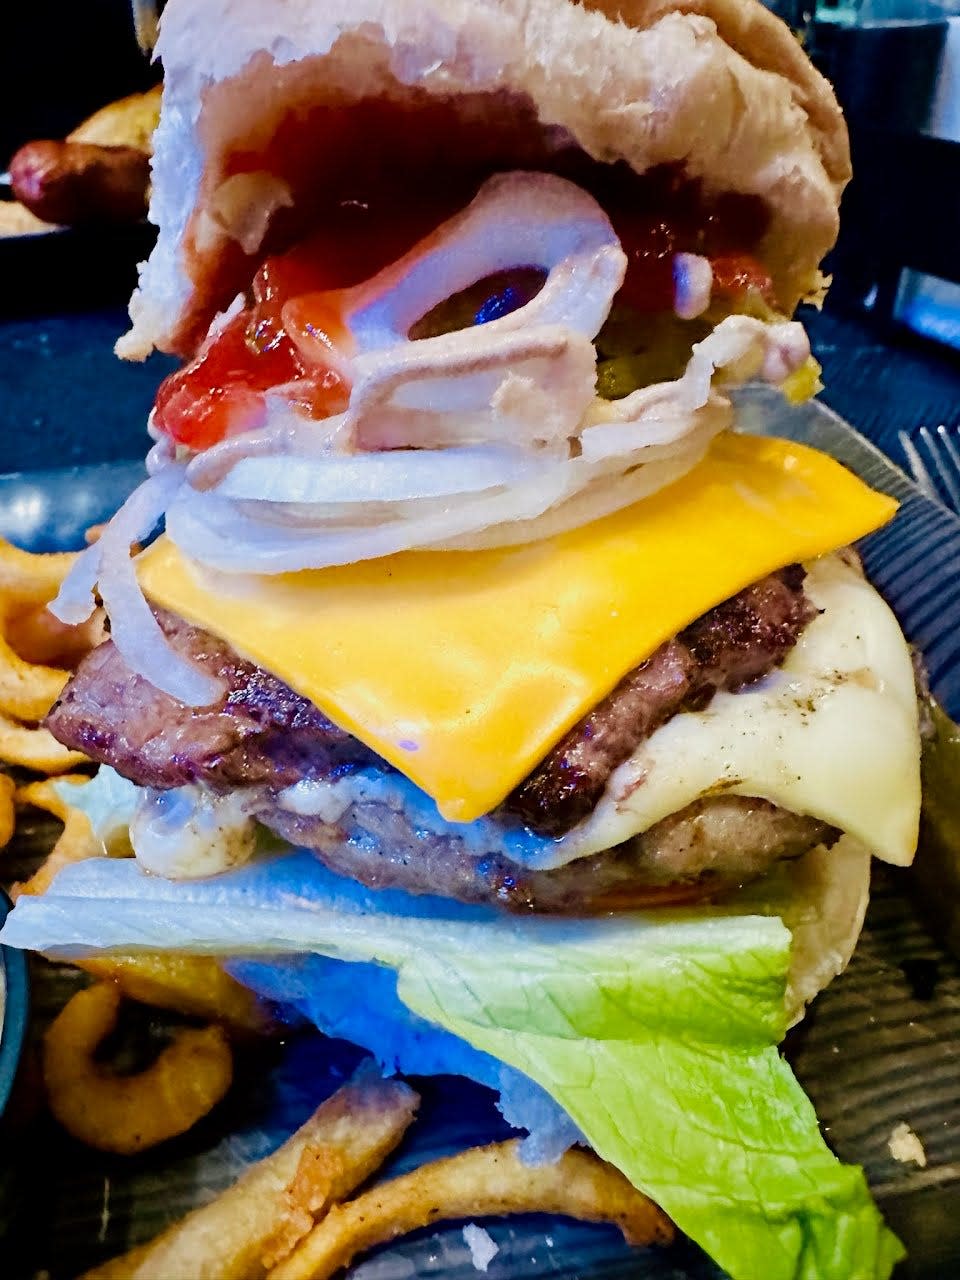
(917, 466)
(946, 463)
(953, 454)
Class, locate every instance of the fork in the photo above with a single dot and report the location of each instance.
(933, 457)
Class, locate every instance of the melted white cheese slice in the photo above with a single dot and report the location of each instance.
(833, 735)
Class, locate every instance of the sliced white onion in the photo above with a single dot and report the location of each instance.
(233, 535)
(473, 387)
(133, 628)
(651, 419)
(362, 478)
(516, 220)
(135, 521)
(287, 434)
(224, 537)
(744, 347)
(525, 378)
(604, 489)
(485, 437)
(74, 602)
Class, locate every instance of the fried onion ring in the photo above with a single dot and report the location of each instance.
(127, 1114)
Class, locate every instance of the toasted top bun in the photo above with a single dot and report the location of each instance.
(718, 87)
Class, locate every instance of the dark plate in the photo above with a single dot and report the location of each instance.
(881, 1046)
(69, 267)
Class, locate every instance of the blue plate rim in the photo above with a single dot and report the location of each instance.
(16, 1011)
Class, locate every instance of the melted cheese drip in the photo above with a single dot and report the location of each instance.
(463, 668)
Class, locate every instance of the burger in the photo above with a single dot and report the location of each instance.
(488, 697)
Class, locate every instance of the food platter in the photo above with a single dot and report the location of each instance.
(881, 1047)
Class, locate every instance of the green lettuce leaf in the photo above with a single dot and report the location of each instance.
(658, 1036)
(715, 1128)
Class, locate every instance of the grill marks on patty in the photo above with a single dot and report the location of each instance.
(263, 734)
(732, 645)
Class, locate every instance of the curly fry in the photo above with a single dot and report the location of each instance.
(482, 1182)
(35, 653)
(357, 1127)
(127, 1114)
(29, 577)
(192, 985)
(8, 817)
(76, 842)
(35, 748)
(38, 637)
(27, 690)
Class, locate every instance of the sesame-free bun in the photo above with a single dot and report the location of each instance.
(822, 899)
(718, 87)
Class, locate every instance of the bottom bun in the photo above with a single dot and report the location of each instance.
(822, 899)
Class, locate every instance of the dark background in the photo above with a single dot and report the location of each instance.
(59, 61)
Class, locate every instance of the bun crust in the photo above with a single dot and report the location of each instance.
(718, 86)
(822, 899)
(764, 40)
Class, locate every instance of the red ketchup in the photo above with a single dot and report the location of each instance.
(650, 244)
(220, 393)
(735, 274)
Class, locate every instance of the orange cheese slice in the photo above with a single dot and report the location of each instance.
(464, 668)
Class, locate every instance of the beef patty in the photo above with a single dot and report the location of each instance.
(732, 645)
(717, 843)
(262, 733)
(264, 737)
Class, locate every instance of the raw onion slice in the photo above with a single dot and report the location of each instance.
(603, 490)
(516, 219)
(74, 602)
(133, 628)
(286, 434)
(744, 347)
(134, 521)
(234, 535)
(482, 437)
(530, 388)
(223, 536)
(388, 478)
(526, 377)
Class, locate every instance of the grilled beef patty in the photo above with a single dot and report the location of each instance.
(262, 738)
(261, 733)
(716, 843)
(732, 645)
